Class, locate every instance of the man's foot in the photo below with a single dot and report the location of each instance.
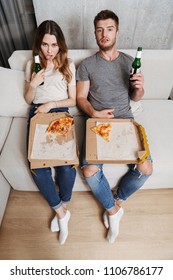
(114, 221)
(106, 219)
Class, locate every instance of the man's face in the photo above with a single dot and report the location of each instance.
(106, 33)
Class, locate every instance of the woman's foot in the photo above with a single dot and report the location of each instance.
(54, 226)
(60, 213)
(63, 227)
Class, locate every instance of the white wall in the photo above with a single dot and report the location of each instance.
(146, 23)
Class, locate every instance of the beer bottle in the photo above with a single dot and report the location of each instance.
(37, 66)
(136, 65)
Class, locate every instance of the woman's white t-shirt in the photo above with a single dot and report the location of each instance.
(55, 87)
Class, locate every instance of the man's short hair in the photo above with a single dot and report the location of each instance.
(106, 14)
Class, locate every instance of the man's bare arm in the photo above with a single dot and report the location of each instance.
(84, 104)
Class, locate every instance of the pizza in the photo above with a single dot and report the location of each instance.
(60, 126)
(103, 130)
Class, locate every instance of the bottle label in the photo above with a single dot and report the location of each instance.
(37, 59)
(135, 70)
(138, 54)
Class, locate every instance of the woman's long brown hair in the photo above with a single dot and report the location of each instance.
(52, 28)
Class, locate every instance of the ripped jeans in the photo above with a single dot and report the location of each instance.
(64, 175)
(129, 183)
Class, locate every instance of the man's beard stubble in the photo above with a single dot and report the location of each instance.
(106, 48)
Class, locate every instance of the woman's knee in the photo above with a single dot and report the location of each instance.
(90, 170)
(41, 172)
(65, 169)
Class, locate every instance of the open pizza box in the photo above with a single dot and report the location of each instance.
(45, 149)
(128, 142)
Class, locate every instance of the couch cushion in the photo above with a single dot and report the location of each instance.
(19, 58)
(157, 117)
(12, 93)
(5, 123)
(157, 67)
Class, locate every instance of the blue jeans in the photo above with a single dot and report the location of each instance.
(129, 183)
(64, 175)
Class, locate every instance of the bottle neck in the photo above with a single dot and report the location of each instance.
(138, 54)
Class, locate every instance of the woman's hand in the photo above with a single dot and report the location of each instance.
(45, 108)
(37, 78)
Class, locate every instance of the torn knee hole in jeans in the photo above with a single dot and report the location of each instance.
(140, 172)
(89, 174)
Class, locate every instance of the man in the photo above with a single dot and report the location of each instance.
(104, 91)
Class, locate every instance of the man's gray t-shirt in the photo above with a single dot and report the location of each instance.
(109, 83)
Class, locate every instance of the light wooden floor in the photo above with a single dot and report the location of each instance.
(146, 229)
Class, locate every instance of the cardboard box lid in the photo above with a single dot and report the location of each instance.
(128, 143)
(45, 152)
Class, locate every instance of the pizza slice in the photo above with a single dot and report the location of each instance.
(103, 130)
(60, 126)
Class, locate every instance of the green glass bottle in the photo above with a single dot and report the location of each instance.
(37, 66)
(136, 65)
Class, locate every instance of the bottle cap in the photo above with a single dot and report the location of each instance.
(139, 49)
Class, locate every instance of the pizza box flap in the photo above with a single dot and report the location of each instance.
(46, 119)
(95, 147)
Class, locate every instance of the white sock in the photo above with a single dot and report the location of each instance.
(114, 221)
(105, 220)
(54, 226)
(63, 226)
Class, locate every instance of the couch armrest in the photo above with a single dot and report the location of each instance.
(5, 123)
(19, 58)
(4, 194)
(171, 94)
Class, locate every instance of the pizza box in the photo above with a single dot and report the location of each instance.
(45, 149)
(128, 142)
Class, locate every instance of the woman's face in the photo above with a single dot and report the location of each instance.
(49, 47)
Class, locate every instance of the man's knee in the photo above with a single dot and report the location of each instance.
(146, 168)
(89, 170)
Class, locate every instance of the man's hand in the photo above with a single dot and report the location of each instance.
(103, 114)
(137, 87)
(137, 81)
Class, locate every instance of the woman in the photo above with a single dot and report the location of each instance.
(52, 89)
